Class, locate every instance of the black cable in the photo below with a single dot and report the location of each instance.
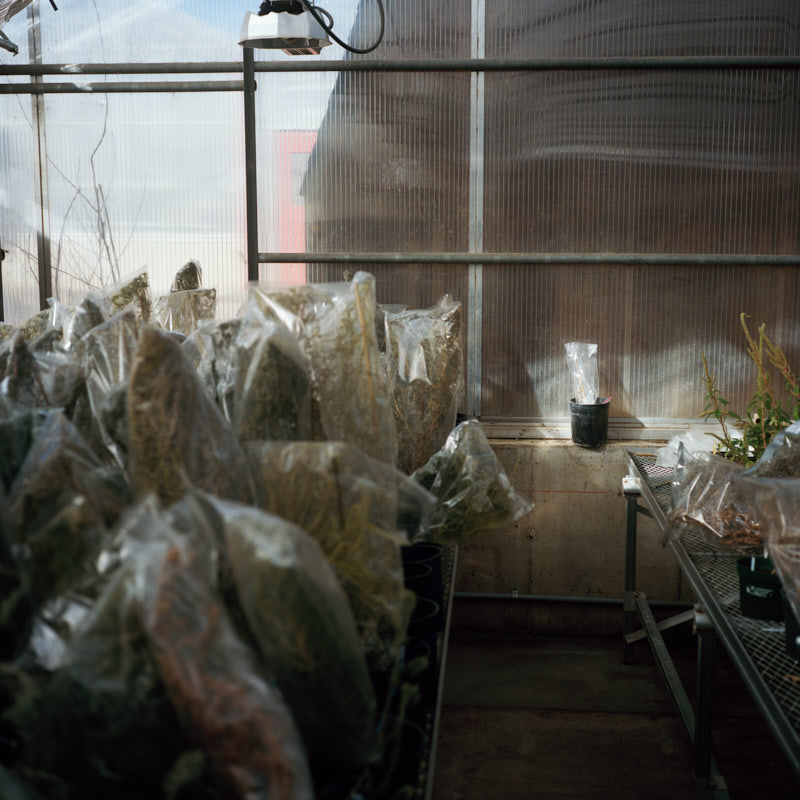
(329, 29)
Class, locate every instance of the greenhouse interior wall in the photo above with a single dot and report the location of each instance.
(687, 179)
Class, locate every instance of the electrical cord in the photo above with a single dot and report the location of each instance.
(314, 9)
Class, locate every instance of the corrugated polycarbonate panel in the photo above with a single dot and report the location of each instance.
(598, 28)
(389, 168)
(651, 325)
(146, 182)
(638, 161)
(680, 162)
(19, 220)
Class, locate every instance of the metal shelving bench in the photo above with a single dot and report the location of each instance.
(756, 647)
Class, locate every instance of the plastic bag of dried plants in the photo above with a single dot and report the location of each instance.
(781, 459)
(39, 373)
(178, 438)
(106, 356)
(272, 394)
(335, 327)
(354, 506)
(424, 366)
(473, 493)
(100, 724)
(304, 632)
(189, 276)
(709, 491)
(185, 310)
(212, 350)
(61, 503)
(224, 704)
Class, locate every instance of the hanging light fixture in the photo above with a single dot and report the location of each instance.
(298, 27)
(294, 30)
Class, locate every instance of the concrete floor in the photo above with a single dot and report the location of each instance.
(544, 716)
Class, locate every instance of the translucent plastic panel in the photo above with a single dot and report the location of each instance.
(651, 326)
(542, 28)
(389, 170)
(19, 214)
(675, 162)
(146, 182)
(412, 285)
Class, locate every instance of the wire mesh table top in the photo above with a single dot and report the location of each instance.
(715, 566)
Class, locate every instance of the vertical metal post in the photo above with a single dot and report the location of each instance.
(629, 597)
(706, 647)
(251, 175)
(2, 257)
(476, 178)
(42, 191)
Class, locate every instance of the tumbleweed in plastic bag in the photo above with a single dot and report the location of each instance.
(424, 368)
(354, 507)
(335, 327)
(473, 493)
(178, 438)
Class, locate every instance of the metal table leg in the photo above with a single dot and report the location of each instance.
(629, 597)
(706, 647)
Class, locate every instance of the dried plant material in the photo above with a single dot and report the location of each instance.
(22, 382)
(177, 437)
(335, 327)
(424, 368)
(61, 501)
(351, 505)
(781, 459)
(133, 295)
(212, 348)
(381, 310)
(272, 394)
(16, 436)
(212, 680)
(189, 276)
(184, 311)
(708, 491)
(7, 330)
(472, 491)
(103, 725)
(106, 355)
(304, 631)
(48, 341)
(35, 324)
(89, 314)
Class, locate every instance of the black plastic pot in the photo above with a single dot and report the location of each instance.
(759, 589)
(589, 422)
(418, 576)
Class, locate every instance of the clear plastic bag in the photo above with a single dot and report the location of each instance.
(131, 294)
(106, 354)
(424, 365)
(178, 438)
(709, 491)
(472, 491)
(62, 501)
(693, 442)
(304, 630)
(189, 276)
(212, 679)
(89, 314)
(781, 459)
(212, 349)
(39, 378)
(778, 505)
(272, 395)
(353, 506)
(184, 311)
(335, 327)
(582, 363)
